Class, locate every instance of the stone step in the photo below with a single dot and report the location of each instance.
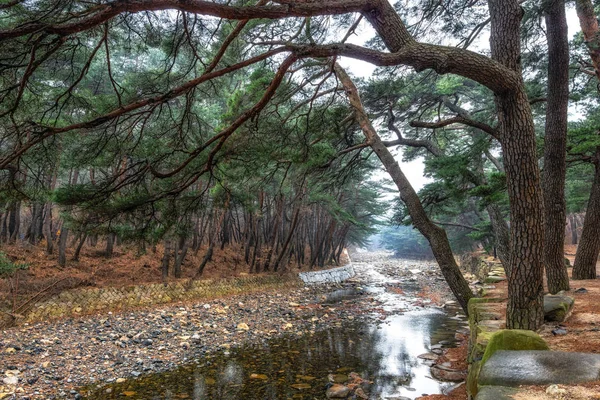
(496, 393)
(539, 367)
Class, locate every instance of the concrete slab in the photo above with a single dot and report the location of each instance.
(539, 367)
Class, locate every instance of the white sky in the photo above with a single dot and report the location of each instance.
(414, 169)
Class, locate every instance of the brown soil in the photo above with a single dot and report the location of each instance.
(590, 391)
(123, 269)
(583, 326)
(459, 393)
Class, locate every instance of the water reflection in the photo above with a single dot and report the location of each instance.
(297, 367)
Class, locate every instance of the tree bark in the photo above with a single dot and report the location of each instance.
(166, 260)
(589, 25)
(555, 146)
(110, 242)
(48, 229)
(589, 242)
(180, 253)
(435, 235)
(80, 246)
(501, 236)
(517, 137)
(62, 246)
(574, 238)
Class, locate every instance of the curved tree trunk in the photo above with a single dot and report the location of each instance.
(435, 235)
(555, 146)
(589, 242)
(517, 136)
(591, 33)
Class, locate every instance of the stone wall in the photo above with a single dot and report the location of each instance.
(92, 300)
(334, 275)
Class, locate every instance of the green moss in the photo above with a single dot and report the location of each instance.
(472, 378)
(473, 302)
(557, 307)
(513, 339)
(494, 279)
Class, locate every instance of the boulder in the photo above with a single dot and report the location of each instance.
(557, 307)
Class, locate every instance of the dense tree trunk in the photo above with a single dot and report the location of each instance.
(589, 242)
(555, 146)
(435, 235)
(180, 253)
(206, 259)
(82, 239)
(274, 232)
(62, 246)
(574, 236)
(288, 239)
(48, 229)
(110, 242)
(166, 260)
(14, 221)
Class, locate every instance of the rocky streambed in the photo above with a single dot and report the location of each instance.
(366, 333)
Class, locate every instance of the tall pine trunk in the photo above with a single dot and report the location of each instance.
(517, 137)
(555, 146)
(589, 242)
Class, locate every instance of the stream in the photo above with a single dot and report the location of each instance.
(382, 350)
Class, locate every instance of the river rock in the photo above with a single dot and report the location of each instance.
(428, 356)
(337, 391)
(11, 380)
(337, 378)
(243, 327)
(444, 373)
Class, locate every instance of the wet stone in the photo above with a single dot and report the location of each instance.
(539, 367)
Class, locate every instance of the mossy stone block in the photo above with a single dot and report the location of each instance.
(557, 307)
(494, 279)
(513, 339)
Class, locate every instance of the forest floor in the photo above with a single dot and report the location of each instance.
(124, 268)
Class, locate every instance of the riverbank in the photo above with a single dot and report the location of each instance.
(55, 360)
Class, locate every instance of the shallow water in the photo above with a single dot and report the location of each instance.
(298, 367)
(385, 354)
